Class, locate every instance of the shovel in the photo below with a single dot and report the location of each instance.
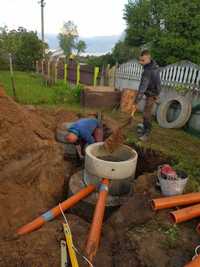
(116, 139)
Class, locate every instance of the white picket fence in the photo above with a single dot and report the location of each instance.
(183, 73)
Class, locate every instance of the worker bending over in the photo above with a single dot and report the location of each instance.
(150, 86)
(84, 132)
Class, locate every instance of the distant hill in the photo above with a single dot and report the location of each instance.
(95, 45)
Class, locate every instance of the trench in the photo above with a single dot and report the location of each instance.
(149, 160)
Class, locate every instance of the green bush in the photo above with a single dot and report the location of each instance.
(67, 94)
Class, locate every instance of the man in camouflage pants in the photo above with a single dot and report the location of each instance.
(150, 86)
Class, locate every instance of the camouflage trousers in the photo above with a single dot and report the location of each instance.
(148, 113)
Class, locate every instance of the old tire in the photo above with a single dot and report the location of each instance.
(183, 117)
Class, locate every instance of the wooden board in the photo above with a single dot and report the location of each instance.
(100, 99)
(127, 99)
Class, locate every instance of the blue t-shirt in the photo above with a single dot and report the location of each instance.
(84, 128)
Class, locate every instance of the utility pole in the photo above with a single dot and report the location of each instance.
(42, 4)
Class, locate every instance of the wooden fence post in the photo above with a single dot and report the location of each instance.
(37, 66)
(65, 73)
(78, 74)
(96, 73)
(107, 74)
(42, 66)
(48, 70)
(56, 71)
(12, 77)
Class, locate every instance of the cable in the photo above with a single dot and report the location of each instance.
(196, 252)
(69, 231)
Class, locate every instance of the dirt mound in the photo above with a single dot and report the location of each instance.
(42, 248)
(32, 169)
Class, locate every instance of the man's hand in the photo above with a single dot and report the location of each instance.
(134, 109)
(78, 149)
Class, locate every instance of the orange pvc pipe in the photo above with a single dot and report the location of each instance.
(170, 202)
(185, 214)
(53, 213)
(95, 230)
(194, 263)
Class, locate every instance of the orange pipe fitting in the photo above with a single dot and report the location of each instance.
(95, 230)
(185, 214)
(170, 202)
(194, 263)
(53, 213)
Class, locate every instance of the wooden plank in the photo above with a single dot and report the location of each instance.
(194, 76)
(174, 73)
(167, 74)
(162, 74)
(170, 76)
(190, 75)
(127, 99)
(186, 74)
(181, 75)
(198, 78)
(178, 73)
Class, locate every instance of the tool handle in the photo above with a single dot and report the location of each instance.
(129, 120)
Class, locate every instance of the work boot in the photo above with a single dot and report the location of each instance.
(144, 137)
(140, 129)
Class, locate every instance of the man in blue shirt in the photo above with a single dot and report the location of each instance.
(83, 129)
(84, 132)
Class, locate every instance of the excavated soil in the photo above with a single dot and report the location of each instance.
(32, 172)
(33, 179)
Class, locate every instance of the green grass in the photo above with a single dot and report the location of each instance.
(177, 144)
(172, 235)
(30, 89)
(180, 146)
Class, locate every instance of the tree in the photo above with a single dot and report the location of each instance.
(80, 47)
(25, 47)
(123, 52)
(68, 39)
(100, 61)
(171, 29)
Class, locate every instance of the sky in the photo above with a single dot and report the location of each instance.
(93, 17)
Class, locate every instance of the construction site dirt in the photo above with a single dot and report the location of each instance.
(34, 178)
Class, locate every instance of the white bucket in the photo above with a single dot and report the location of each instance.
(171, 187)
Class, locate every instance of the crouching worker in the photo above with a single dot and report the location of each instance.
(82, 133)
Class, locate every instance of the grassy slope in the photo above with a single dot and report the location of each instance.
(181, 146)
(184, 148)
(30, 89)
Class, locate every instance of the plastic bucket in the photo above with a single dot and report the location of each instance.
(172, 187)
